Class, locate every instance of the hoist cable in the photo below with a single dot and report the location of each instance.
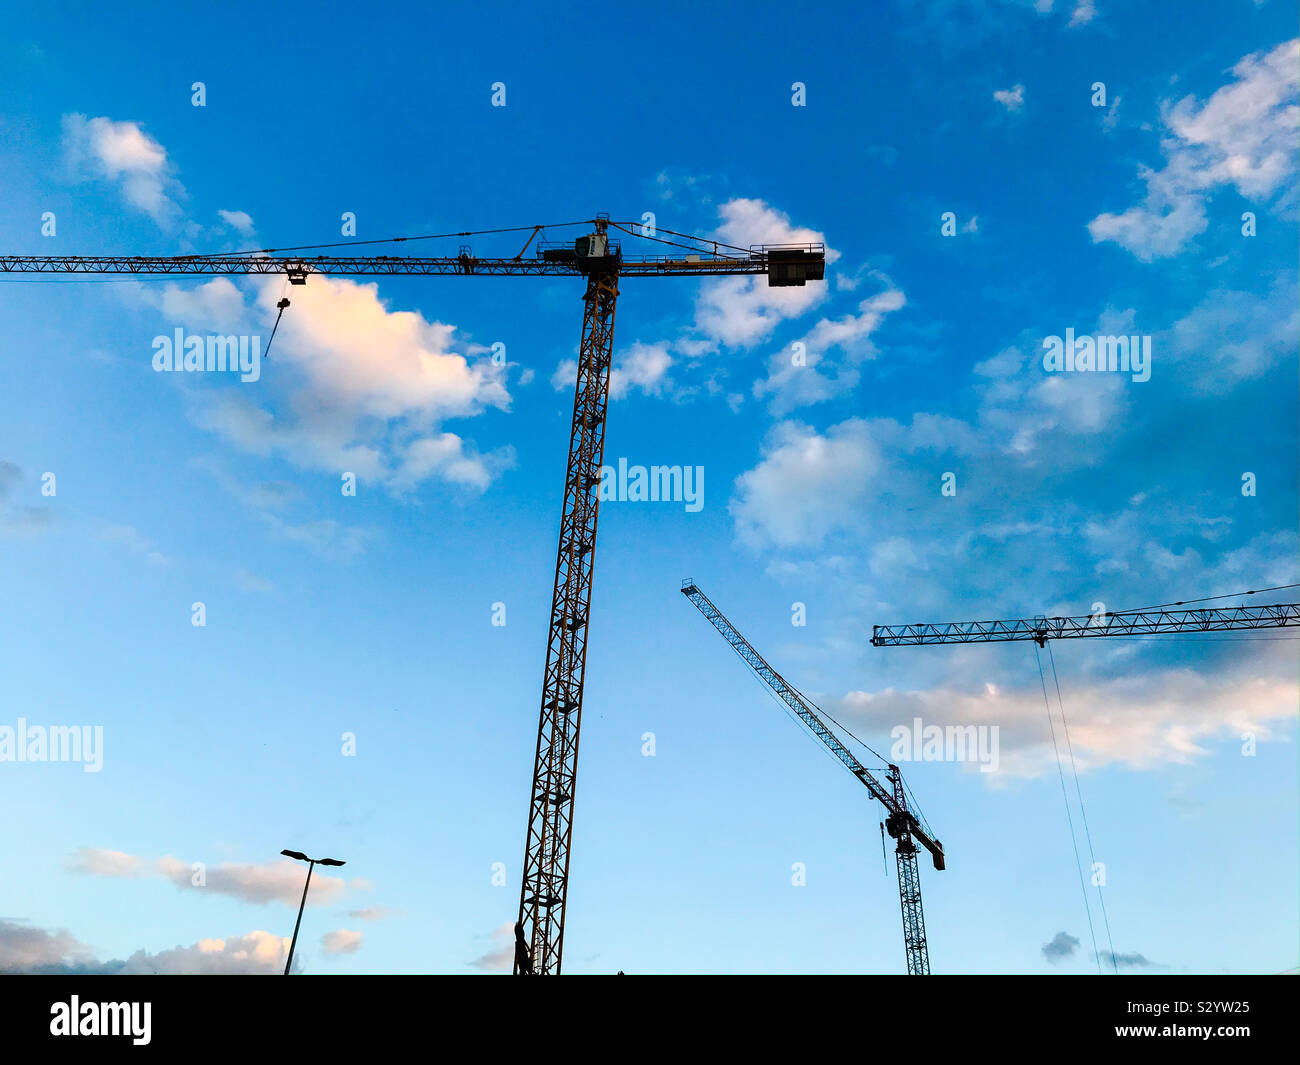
(1087, 907)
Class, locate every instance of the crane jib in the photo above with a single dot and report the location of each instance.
(806, 713)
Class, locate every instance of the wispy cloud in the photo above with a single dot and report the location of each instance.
(1013, 99)
(341, 941)
(1243, 136)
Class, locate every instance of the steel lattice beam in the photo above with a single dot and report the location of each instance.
(366, 265)
(550, 819)
(788, 695)
(1125, 623)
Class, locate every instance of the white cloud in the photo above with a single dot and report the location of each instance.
(1233, 336)
(255, 954)
(1084, 12)
(1141, 721)
(1012, 99)
(27, 949)
(239, 220)
(217, 305)
(269, 882)
(341, 941)
(741, 311)
(821, 375)
(642, 366)
(24, 949)
(1243, 136)
(123, 152)
(365, 388)
(807, 484)
(98, 861)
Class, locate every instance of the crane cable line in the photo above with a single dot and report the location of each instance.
(914, 807)
(1069, 817)
(803, 725)
(387, 240)
(1210, 598)
(1092, 857)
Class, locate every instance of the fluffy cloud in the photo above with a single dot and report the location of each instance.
(809, 484)
(24, 949)
(360, 387)
(255, 954)
(1243, 136)
(741, 311)
(124, 153)
(1137, 720)
(643, 367)
(239, 220)
(806, 485)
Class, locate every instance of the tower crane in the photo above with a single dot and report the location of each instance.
(1150, 621)
(900, 822)
(599, 262)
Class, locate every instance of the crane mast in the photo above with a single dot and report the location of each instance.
(901, 824)
(539, 931)
(550, 814)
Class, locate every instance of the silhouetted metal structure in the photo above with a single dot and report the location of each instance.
(901, 824)
(1123, 623)
(601, 262)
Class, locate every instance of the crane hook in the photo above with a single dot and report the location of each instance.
(284, 302)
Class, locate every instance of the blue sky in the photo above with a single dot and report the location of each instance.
(372, 615)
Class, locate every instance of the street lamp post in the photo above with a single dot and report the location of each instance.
(311, 864)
